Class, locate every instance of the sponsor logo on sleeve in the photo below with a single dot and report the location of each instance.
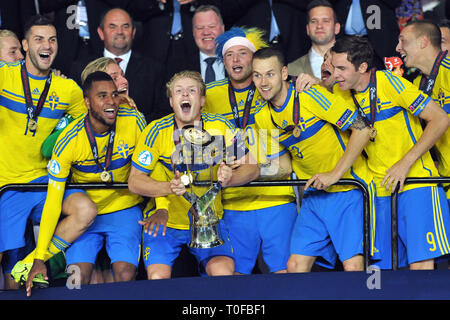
(344, 117)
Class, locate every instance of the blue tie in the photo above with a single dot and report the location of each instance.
(357, 25)
(176, 22)
(210, 75)
(274, 31)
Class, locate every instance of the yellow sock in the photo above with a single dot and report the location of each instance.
(56, 245)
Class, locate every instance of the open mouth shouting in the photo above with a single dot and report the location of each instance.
(185, 106)
(45, 57)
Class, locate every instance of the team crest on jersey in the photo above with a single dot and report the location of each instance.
(344, 117)
(284, 124)
(123, 149)
(145, 158)
(54, 167)
(53, 100)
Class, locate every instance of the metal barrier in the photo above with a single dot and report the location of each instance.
(266, 183)
(394, 212)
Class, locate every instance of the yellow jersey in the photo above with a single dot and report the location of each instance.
(441, 95)
(72, 157)
(323, 120)
(247, 198)
(153, 155)
(399, 103)
(21, 160)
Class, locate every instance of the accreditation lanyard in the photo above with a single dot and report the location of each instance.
(234, 106)
(427, 83)
(93, 144)
(373, 104)
(295, 117)
(32, 111)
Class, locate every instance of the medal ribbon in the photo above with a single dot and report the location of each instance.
(93, 144)
(33, 112)
(295, 114)
(427, 83)
(234, 106)
(373, 100)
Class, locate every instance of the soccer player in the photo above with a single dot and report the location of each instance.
(10, 48)
(312, 127)
(33, 99)
(96, 148)
(420, 47)
(158, 142)
(392, 106)
(259, 218)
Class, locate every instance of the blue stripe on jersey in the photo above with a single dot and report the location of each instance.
(33, 99)
(140, 123)
(320, 96)
(153, 133)
(221, 118)
(392, 81)
(447, 108)
(276, 155)
(338, 135)
(385, 114)
(59, 147)
(308, 133)
(115, 164)
(309, 93)
(56, 179)
(20, 107)
(217, 83)
(134, 164)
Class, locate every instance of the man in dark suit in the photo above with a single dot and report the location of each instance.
(207, 25)
(144, 74)
(76, 22)
(374, 19)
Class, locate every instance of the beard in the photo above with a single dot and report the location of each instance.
(99, 118)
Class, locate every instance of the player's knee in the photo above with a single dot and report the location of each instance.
(220, 266)
(298, 263)
(85, 211)
(125, 272)
(157, 274)
(354, 264)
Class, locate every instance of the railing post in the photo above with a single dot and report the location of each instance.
(394, 227)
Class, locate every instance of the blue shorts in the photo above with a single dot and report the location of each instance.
(11, 257)
(268, 229)
(329, 224)
(423, 222)
(121, 233)
(165, 249)
(16, 207)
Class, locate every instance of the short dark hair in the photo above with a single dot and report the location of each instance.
(103, 16)
(269, 52)
(37, 20)
(428, 29)
(321, 3)
(206, 8)
(357, 48)
(444, 23)
(94, 77)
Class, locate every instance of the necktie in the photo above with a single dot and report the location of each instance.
(210, 74)
(118, 60)
(274, 30)
(176, 22)
(358, 25)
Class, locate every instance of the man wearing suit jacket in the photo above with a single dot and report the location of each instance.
(144, 74)
(76, 22)
(377, 22)
(207, 25)
(322, 29)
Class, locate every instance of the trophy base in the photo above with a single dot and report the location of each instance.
(205, 237)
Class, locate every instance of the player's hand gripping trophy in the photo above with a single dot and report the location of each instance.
(198, 151)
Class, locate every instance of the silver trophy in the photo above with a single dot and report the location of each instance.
(198, 149)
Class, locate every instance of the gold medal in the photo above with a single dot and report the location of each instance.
(186, 179)
(32, 125)
(296, 132)
(105, 176)
(372, 133)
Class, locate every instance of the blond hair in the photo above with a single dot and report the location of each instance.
(100, 64)
(4, 33)
(194, 75)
